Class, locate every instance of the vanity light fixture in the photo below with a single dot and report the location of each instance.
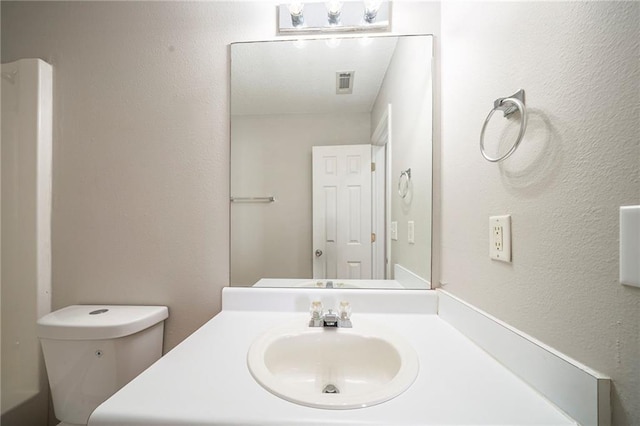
(334, 16)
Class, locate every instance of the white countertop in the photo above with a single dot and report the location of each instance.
(205, 380)
(311, 283)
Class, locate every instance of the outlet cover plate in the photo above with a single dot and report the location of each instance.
(500, 238)
(394, 230)
(411, 230)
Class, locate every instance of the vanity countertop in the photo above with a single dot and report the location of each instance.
(310, 283)
(205, 379)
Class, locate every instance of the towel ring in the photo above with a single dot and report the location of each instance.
(508, 110)
(403, 190)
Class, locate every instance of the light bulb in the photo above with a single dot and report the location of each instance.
(295, 10)
(334, 9)
(371, 8)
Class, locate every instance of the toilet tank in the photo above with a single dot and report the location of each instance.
(91, 351)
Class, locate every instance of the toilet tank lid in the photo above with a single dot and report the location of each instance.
(97, 322)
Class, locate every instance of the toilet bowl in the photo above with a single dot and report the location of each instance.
(92, 351)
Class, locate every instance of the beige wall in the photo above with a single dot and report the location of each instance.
(141, 143)
(407, 86)
(579, 161)
(141, 159)
(141, 148)
(271, 155)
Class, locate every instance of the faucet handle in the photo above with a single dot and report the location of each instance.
(316, 309)
(316, 314)
(344, 310)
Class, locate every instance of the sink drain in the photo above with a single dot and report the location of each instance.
(330, 389)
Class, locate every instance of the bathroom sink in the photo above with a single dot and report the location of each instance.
(333, 368)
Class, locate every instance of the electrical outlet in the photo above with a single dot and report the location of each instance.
(500, 238)
(497, 237)
(394, 231)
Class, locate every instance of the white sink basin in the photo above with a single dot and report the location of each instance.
(367, 364)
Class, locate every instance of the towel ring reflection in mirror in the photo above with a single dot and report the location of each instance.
(509, 105)
(403, 184)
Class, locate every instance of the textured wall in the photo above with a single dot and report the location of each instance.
(141, 143)
(271, 155)
(408, 87)
(141, 148)
(579, 161)
(141, 154)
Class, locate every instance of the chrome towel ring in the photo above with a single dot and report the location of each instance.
(403, 190)
(509, 105)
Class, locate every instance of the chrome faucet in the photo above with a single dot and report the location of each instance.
(328, 284)
(330, 319)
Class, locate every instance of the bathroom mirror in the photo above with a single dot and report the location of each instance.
(331, 162)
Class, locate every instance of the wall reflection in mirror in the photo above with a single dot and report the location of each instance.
(331, 168)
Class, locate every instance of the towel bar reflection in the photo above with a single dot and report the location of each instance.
(270, 199)
(508, 105)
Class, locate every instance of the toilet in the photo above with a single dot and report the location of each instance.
(91, 351)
